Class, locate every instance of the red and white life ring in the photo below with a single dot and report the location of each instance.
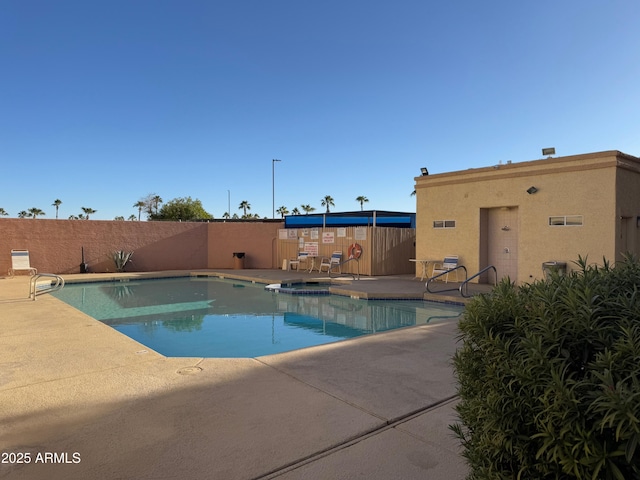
(355, 250)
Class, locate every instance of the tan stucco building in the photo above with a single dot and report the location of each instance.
(516, 216)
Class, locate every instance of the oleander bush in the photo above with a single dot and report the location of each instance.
(549, 377)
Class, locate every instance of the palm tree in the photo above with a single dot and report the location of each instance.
(34, 212)
(3, 212)
(413, 194)
(119, 218)
(307, 208)
(88, 211)
(140, 204)
(56, 203)
(295, 211)
(362, 199)
(327, 201)
(244, 205)
(156, 201)
(132, 218)
(22, 214)
(282, 211)
(226, 215)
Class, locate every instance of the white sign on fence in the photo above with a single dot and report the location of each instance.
(328, 237)
(311, 248)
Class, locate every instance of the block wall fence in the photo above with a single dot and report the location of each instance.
(55, 246)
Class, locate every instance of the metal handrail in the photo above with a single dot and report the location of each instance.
(464, 285)
(34, 291)
(355, 277)
(446, 272)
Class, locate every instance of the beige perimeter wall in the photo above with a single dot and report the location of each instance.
(55, 246)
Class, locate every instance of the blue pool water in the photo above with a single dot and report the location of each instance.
(211, 317)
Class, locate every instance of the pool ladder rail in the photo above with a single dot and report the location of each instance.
(463, 287)
(356, 276)
(56, 283)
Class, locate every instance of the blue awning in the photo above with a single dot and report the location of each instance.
(352, 219)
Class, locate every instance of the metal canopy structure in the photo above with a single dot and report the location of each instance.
(367, 218)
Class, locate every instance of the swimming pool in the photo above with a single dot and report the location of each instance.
(212, 317)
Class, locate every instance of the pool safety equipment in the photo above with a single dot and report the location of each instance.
(354, 251)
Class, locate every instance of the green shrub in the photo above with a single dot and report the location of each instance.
(549, 377)
(121, 258)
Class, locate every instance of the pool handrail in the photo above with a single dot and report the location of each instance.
(53, 286)
(446, 272)
(464, 289)
(355, 276)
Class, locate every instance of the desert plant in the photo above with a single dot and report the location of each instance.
(549, 377)
(121, 258)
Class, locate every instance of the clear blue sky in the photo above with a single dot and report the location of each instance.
(104, 102)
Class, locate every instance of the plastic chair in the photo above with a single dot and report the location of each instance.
(333, 261)
(302, 257)
(449, 263)
(20, 262)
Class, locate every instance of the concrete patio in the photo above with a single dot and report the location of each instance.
(99, 405)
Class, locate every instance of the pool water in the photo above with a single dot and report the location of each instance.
(212, 317)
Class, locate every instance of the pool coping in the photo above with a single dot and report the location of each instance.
(412, 289)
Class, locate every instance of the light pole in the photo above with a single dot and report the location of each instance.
(273, 186)
(229, 202)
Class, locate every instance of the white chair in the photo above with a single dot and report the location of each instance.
(334, 261)
(449, 263)
(302, 257)
(20, 261)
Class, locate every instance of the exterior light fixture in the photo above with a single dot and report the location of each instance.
(548, 151)
(531, 190)
(424, 171)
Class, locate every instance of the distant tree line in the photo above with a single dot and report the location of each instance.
(181, 209)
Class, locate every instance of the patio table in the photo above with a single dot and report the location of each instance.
(425, 264)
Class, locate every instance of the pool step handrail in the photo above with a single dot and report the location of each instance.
(464, 289)
(57, 283)
(355, 276)
(446, 272)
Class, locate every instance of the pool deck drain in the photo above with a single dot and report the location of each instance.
(71, 385)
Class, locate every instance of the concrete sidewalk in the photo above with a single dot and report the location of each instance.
(79, 400)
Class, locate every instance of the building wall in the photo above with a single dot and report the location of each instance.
(588, 185)
(628, 209)
(55, 246)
